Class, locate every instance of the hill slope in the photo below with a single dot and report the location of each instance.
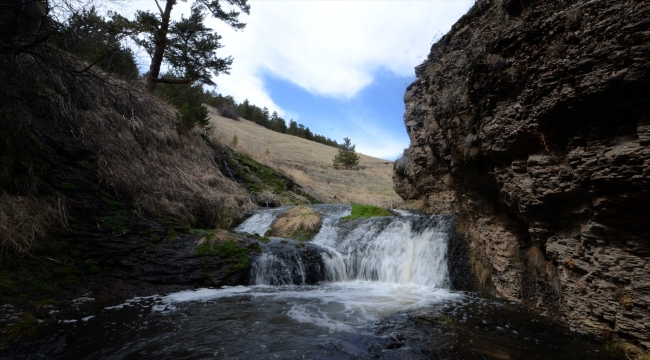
(310, 163)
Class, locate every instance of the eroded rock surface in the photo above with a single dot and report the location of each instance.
(531, 119)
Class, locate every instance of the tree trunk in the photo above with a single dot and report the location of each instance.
(175, 81)
(159, 52)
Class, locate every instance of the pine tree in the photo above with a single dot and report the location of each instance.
(188, 99)
(347, 157)
(187, 46)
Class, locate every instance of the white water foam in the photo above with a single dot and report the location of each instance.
(401, 212)
(204, 294)
(344, 306)
(260, 222)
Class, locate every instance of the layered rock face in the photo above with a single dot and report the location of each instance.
(531, 120)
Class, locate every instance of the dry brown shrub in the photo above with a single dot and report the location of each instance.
(210, 180)
(26, 220)
(626, 301)
(462, 224)
(570, 263)
(299, 218)
(553, 278)
(626, 350)
(535, 259)
(481, 270)
(513, 250)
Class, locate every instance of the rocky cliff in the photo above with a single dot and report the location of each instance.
(531, 120)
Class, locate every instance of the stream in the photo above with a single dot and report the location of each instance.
(380, 289)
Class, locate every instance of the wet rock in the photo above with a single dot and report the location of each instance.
(530, 120)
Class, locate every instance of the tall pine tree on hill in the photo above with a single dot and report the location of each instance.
(187, 46)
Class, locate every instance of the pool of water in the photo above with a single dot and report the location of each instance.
(357, 319)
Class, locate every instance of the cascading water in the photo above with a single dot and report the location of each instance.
(260, 222)
(402, 249)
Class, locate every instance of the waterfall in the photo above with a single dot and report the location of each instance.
(271, 269)
(402, 249)
(260, 222)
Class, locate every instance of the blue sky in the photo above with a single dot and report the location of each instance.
(371, 118)
(339, 67)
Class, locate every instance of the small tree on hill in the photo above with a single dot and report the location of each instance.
(346, 158)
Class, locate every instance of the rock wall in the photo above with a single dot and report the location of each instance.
(531, 120)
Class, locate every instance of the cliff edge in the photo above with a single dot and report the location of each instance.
(531, 121)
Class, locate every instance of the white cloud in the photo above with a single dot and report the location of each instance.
(330, 48)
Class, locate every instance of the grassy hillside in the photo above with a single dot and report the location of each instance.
(310, 163)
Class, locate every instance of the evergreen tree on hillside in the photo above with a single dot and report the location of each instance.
(347, 157)
(188, 99)
(293, 128)
(187, 46)
(87, 35)
(277, 123)
(217, 100)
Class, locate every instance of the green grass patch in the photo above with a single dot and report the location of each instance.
(301, 235)
(68, 186)
(366, 211)
(116, 221)
(235, 257)
(7, 285)
(257, 178)
(36, 275)
(107, 198)
(92, 267)
(27, 323)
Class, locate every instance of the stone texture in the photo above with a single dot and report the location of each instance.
(531, 121)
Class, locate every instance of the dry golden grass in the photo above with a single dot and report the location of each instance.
(141, 153)
(299, 218)
(25, 220)
(310, 164)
